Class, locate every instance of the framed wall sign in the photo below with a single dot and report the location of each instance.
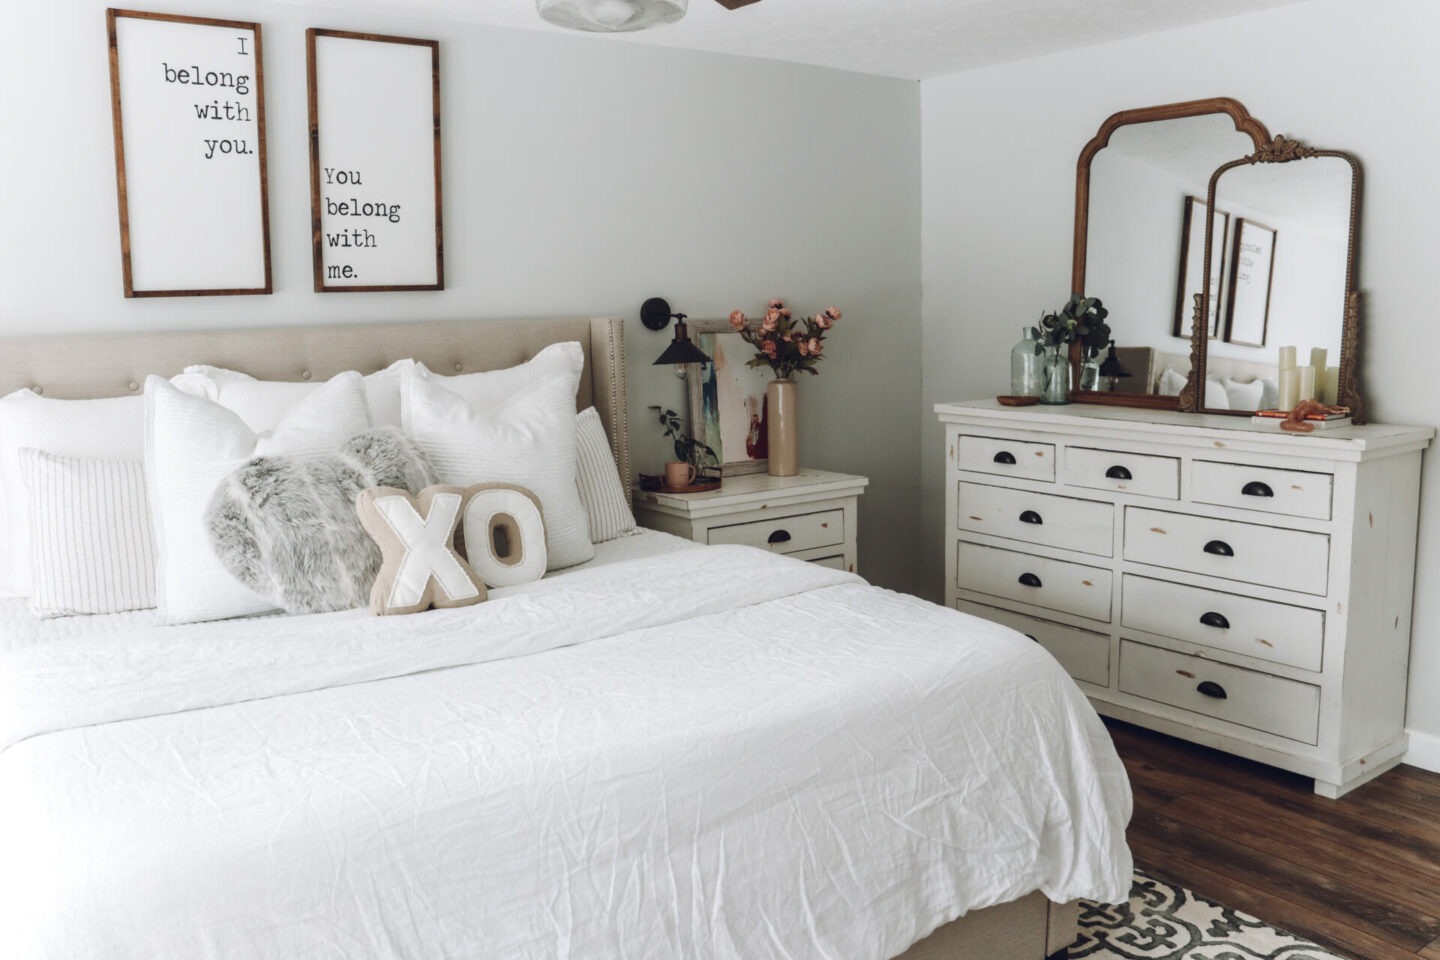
(374, 162)
(1192, 266)
(1252, 266)
(727, 399)
(188, 107)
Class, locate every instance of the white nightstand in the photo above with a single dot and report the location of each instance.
(811, 516)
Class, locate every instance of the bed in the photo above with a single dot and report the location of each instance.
(665, 751)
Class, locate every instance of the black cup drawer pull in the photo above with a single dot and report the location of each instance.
(1216, 620)
(1033, 637)
(1118, 473)
(1256, 488)
(1005, 456)
(1030, 516)
(1212, 689)
(1029, 580)
(1219, 548)
(779, 536)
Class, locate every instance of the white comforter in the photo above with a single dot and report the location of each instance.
(712, 753)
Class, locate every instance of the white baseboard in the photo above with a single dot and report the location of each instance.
(1424, 751)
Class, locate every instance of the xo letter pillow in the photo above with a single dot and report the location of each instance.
(511, 426)
(191, 445)
(420, 568)
(504, 534)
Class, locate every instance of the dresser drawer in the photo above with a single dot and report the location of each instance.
(1294, 493)
(785, 534)
(1286, 708)
(1007, 458)
(1137, 473)
(1270, 631)
(1056, 584)
(1064, 522)
(1085, 655)
(836, 562)
(1248, 552)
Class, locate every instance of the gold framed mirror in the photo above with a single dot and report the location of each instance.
(1281, 283)
(1140, 184)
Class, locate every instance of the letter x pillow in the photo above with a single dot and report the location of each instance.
(419, 566)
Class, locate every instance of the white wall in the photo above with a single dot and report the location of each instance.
(998, 159)
(581, 175)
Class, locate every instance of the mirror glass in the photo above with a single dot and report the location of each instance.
(1278, 279)
(1144, 240)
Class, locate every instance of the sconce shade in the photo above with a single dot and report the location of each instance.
(610, 16)
(1111, 366)
(682, 349)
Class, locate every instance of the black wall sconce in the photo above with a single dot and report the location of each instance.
(656, 314)
(1112, 370)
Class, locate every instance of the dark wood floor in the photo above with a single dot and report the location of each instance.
(1359, 875)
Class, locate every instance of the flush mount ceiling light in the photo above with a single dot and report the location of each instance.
(610, 16)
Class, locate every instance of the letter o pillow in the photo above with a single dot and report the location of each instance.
(504, 534)
(419, 567)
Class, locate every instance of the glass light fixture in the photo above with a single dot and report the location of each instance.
(610, 16)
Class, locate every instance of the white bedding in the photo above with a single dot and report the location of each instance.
(707, 753)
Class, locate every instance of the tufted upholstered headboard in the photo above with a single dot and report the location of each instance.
(114, 365)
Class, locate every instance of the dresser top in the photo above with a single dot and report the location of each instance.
(1133, 423)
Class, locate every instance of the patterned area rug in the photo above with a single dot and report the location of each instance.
(1166, 922)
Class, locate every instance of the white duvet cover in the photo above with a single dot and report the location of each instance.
(709, 753)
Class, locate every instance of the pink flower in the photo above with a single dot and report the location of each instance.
(769, 349)
(737, 319)
(803, 348)
(823, 321)
(775, 303)
(833, 313)
(814, 347)
(785, 312)
(772, 318)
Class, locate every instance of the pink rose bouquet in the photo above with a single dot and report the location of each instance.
(783, 343)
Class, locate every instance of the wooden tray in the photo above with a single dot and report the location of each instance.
(1012, 401)
(699, 487)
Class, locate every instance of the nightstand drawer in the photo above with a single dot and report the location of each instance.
(1084, 655)
(1248, 552)
(1054, 584)
(1007, 458)
(785, 534)
(1064, 522)
(1277, 632)
(1294, 493)
(1286, 708)
(1136, 473)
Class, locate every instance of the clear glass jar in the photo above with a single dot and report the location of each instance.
(1090, 374)
(1057, 376)
(1025, 378)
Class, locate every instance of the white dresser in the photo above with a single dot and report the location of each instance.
(1243, 588)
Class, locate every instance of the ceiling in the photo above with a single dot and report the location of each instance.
(912, 39)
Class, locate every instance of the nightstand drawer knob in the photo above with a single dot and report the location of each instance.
(1029, 580)
(779, 536)
(1219, 548)
(1256, 488)
(1216, 620)
(1033, 637)
(1005, 456)
(1212, 689)
(1030, 516)
(1118, 473)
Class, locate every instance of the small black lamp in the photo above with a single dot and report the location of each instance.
(655, 313)
(1112, 369)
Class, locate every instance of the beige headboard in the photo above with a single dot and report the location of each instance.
(112, 365)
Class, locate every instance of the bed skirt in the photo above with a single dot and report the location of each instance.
(1031, 928)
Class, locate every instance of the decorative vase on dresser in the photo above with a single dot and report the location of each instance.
(780, 426)
(1243, 588)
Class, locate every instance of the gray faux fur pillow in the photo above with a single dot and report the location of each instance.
(286, 527)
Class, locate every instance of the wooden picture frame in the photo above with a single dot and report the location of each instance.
(375, 187)
(727, 398)
(190, 164)
(1252, 271)
(1192, 266)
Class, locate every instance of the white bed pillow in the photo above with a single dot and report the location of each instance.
(1244, 396)
(1269, 393)
(1171, 383)
(111, 428)
(1215, 398)
(261, 403)
(191, 445)
(92, 545)
(515, 425)
(601, 489)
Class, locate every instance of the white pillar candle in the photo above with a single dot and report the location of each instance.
(1331, 393)
(1287, 358)
(1307, 383)
(1317, 358)
(1289, 388)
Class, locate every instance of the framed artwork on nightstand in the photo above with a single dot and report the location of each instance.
(727, 398)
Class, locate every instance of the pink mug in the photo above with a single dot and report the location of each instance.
(679, 474)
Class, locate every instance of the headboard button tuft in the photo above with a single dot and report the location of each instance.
(459, 366)
(38, 389)
(305, 375)
(134, 385)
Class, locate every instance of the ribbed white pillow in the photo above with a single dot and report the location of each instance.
(111, 428)
(601, 488)
(92, 546)
(515, 425)
(191, 444)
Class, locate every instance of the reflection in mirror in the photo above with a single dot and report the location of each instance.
(1282, 284)
(1140, 234)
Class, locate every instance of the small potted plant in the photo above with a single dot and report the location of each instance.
(695, 462)
(1082, 321)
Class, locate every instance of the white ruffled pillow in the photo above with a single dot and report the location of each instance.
(191, 445)
(515, 425)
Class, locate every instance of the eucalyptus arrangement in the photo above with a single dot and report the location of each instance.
(1081, 320)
